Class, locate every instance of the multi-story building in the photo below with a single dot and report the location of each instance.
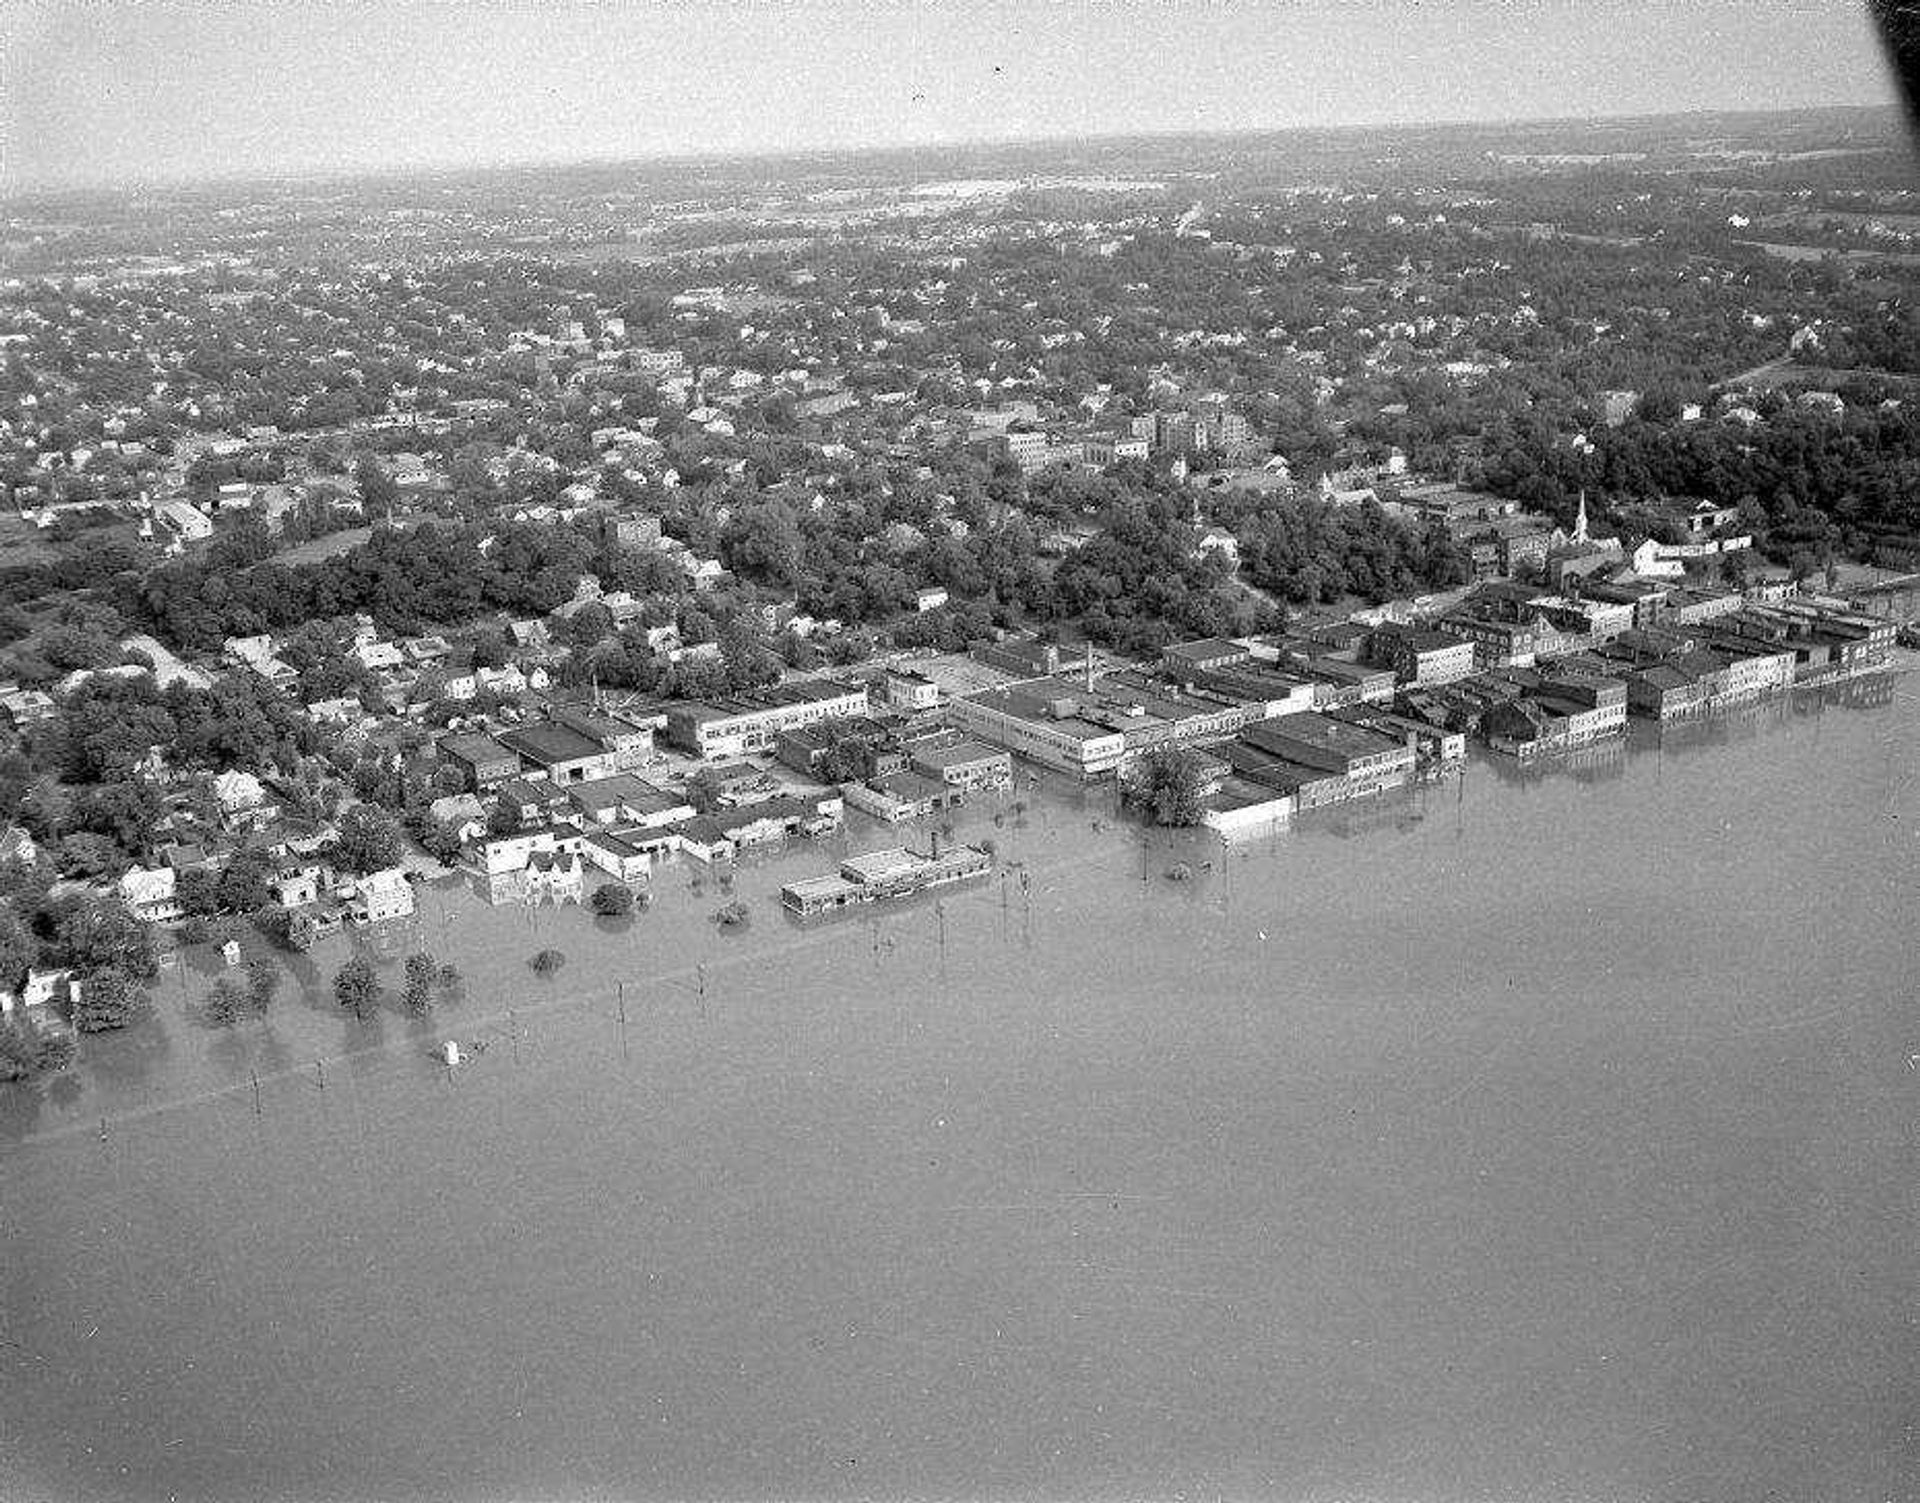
(658, 363)
(1556, 711)
(1105, 449)
(629, 744)
(907, 690)
(1422, 656)
(1041, 719)
(481, 761)
(968, 766)
(380, 896)
(737, 726)
(1506, 643)
(1332, 760)
(1030, 451)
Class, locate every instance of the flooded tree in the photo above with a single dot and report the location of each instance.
(417, 992)
(263, 981)
(226, 1003)
(356, 988)
(26, 1050)
(108, 999)
(1170, 783)
(612, 900)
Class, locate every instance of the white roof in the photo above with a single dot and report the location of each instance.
(879, 866)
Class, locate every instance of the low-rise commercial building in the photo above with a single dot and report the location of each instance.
(1331, 760)
(1041, 720)
(970, 766)
(559, 753)
(738, 726)
(481, 761)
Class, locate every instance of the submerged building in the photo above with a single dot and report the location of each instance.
(879, 875)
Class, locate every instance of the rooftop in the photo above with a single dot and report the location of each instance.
(548, 743)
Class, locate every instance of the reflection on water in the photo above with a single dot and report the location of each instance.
(1543, 1136)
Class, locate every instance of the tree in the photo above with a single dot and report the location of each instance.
(243, 882)
(502, 818)
(17, 949)
(263, 980)
(108, 999)
(377, 490)
(547, 962)
(356, 988)
(369, 840)
(53, 1050)
(226, 1003)
(90, 934)
(417, 994)
(1170, 783)
(21, 1049)
(613, 900)
(452, 983)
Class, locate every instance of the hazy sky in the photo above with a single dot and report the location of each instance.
(110, 90)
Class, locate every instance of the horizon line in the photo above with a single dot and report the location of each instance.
(293, 176)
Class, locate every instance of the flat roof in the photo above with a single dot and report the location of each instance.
(1023, 703)
(621, 788)
(778, 697)
(475, 746)
(548, 742)
(1321, 731)
(878, 866)
(958, 755)
(831, 886)
(909, 785)
(1206, 647)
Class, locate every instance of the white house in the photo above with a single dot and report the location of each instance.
(238, 794)
(151, 893)
(379, 896)
(1218, 540)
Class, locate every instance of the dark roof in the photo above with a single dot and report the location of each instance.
(547, 743)
(475, 747)
(960, 754)
(909, 786)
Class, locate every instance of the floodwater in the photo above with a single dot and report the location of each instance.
(1532, 1137)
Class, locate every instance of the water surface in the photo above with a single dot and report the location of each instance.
(1546, 1137)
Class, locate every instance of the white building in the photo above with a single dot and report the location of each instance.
(379, 896)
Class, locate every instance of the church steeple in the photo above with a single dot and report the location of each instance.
(1580, 519)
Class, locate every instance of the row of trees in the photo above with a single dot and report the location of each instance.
(426, 982)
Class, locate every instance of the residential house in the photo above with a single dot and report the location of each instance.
(380, 896)
(151, 893)
(241, 799)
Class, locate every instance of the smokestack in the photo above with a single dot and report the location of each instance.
(936, 842)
